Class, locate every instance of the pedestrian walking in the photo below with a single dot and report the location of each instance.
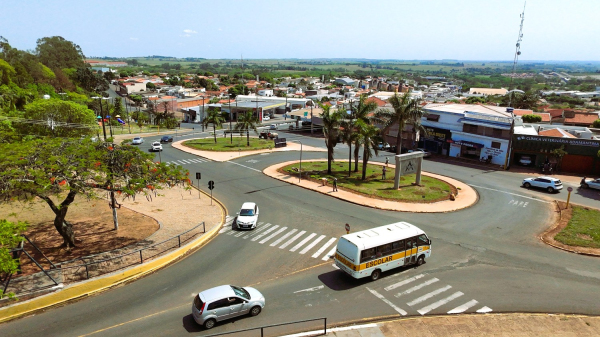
(335, 184)
(383, 170)
(387, 161)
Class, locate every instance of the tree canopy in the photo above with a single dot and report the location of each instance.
(58, 53)
(59, 118)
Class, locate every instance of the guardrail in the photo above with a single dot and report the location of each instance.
(95, 268)
(274, 325)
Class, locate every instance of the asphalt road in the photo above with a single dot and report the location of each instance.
(485, 258)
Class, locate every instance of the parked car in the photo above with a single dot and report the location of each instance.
(247, 216)
(223, 302)
(156, 146)
(166, 139)
(426, 153)
(266, 118)
(272, 127)
(589, 183)
(266, 134)
(525, 160)
(383, 146)
(137, 141)
(548, 183)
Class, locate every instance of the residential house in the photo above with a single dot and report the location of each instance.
(580, 118)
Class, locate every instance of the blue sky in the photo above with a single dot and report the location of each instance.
(406, 30)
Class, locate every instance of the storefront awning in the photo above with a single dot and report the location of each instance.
(466, 143)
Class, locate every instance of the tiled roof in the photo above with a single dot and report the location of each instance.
(555, 113)
(545, 116)
(582, 118)
(378, 101)
(556, 133)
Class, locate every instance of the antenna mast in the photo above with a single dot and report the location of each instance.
(517, 53)
(242, 58)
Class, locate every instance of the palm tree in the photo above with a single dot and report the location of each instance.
(349, 136)
(214, 117)
(370, 139)
(331, 124)
(362, 111)
(246, 122)
(405, 109)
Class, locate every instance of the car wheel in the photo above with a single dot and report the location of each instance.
(527, 185)
(550, 189)
(421, 260)
(209, 324)
(375, 275)
(255, 311)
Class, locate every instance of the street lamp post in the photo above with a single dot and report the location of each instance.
(201, 122)
(101, 117)
(311, 118)
(300, 170)
(230, 118)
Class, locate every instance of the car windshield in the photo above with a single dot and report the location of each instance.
(239, 291)
(247, 212)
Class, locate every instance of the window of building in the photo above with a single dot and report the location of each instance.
(495, 145)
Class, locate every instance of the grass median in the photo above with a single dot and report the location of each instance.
(226, 145)
(430, 190)
(583, 229)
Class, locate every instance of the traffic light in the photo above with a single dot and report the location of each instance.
(211, 185)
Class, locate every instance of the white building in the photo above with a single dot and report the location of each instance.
(265, 92)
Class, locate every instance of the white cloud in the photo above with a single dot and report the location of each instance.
(189, 31)
(133, 38)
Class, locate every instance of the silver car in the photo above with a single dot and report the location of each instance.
(225, 302)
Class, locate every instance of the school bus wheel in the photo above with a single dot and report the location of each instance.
(421, 260)
(375, 274)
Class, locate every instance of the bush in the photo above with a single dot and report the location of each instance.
(531, 118)
(596, 123)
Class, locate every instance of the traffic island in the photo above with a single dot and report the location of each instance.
(434, 196)
(576, 229)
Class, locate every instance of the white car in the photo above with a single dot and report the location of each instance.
(425, 152)
(266, 118)
(525, 160)
(156, 146)
(247, 216)
(224, 302)
(137, 141)
(592, 184)
(548, 183)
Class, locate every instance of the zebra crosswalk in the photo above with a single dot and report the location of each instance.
(301, 242)
(425, 294)
(188, 161)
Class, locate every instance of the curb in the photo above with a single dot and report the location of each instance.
(93, 286)
(375, 206)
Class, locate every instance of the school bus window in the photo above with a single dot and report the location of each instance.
(367, 255)
(422, 240)
(411, 243)
(398, 246)
(384, 249)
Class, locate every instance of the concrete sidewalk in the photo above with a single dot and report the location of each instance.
(517, 324)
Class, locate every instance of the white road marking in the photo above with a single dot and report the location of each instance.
(439, 303)
(484, 310)
(310, 289)
(400, 311)
(301, 243)
(322, 249)
(224, 229)
(329, 254)
(400, 284)
(272, 235)
(283, 237)
(265, 233)
(518, 195)
(253, 169)
(185, 161)
(428, 295)
(257, 230)
(252, 161)
(315, 333)
(463, 308)
(417, 287)
(287, 243)
(525, 204)
(334, 266)
(312, 244)
(180, 162)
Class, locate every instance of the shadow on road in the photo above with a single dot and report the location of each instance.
(190, 325)
(338, 280)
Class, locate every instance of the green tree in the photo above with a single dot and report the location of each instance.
(10, 237)
(596, 124)
(214, 117)
(404, 110)
(57, 170)
(331, 125)
(370, 139)
(531, 118)
(246, 122)
(90, 81)
(362, 112)
(349, 136)
(58, 118)
(475, 100)
(238, 89)
(58, 53)
(6, 72)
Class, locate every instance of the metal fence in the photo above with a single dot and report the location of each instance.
(79, 272)
(262, 328)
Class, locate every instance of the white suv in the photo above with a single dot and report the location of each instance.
(247, 216)
(548, 183)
